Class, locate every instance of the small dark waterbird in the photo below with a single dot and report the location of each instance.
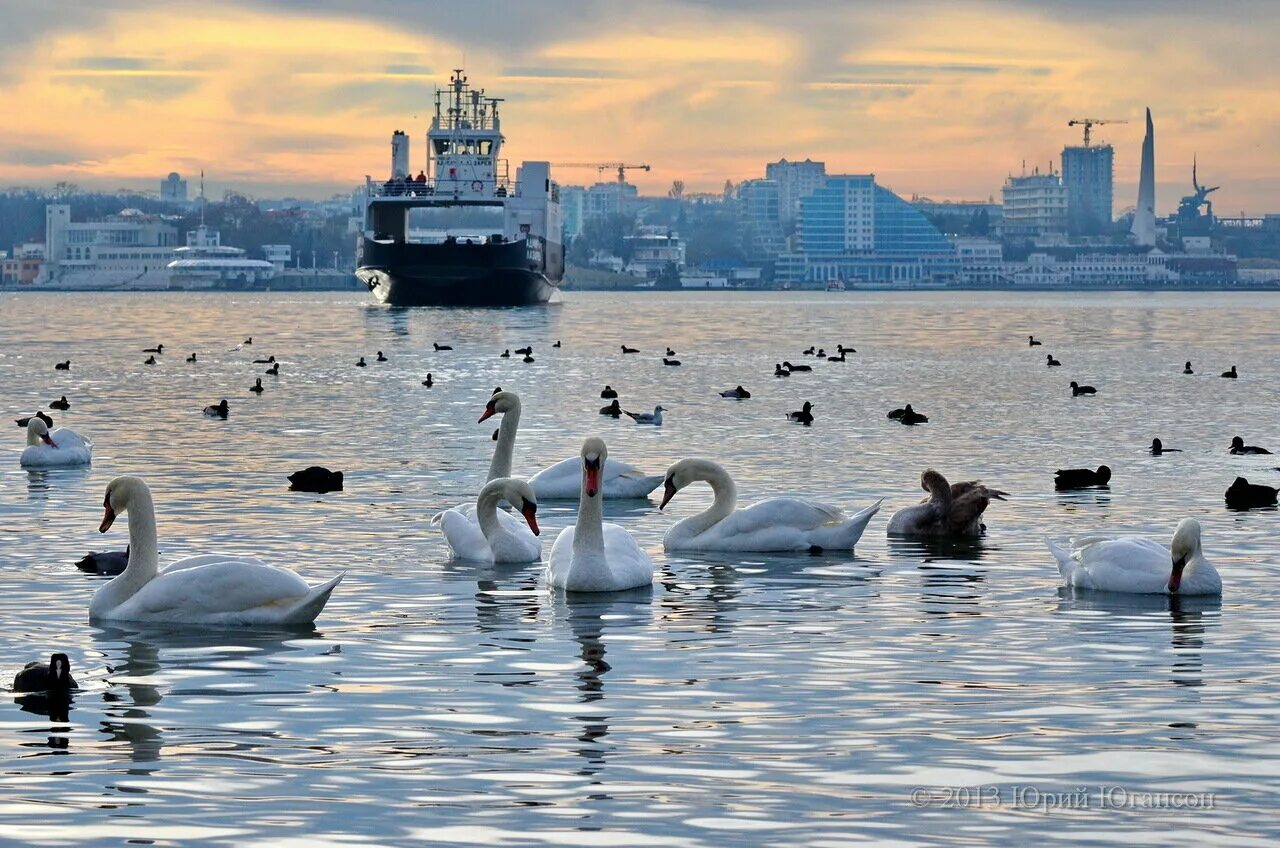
(65, 365)
(256, 388)
(54, 676)
(1239, 448)
(1031, 342)
(1158, 448)
(804, 415)
(316, 478)
(736, 393)
(22, 422)
(1051, 362)
(608, 393)
(218, 410)
(613, 409)
(61, 403)
(908, 416)
(1230, 375)
(626, 349)
(1077, 389)
(105, 563)
(439, 347)
(1081, 478)
(1245, 495)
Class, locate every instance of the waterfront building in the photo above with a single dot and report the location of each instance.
(796, 181)
(652, 251)
(981, 260)
(128, 250)
(761, 219)
(173, 189)
(852, 230)
(1087, 173)
(1034, 205)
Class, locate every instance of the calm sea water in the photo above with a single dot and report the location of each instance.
(747, 699)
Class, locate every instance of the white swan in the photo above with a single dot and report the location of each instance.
(480, 534)
(594, 556)
(48, 450)
(774, 524)
(208, 589)
(1140, 566)
(564, 479)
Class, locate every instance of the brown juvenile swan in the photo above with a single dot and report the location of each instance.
(950, 510)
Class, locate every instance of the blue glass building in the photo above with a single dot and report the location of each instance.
(853, 230)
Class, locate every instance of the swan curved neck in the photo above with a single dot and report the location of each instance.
(725, 498)
(500, 466)
(487, 510)
(32, 438)
(143, 557)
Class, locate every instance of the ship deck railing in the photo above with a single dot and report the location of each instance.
(443, 188)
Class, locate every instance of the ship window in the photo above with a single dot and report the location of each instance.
(442, 147)
(486, 146)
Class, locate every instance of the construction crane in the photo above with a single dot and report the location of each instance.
(620, 167)
(1089, 123)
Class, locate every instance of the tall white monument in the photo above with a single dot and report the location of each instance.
(1144, 216)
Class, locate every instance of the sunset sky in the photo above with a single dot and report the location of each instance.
(945, 99)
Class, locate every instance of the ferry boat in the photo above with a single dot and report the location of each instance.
(517, 261)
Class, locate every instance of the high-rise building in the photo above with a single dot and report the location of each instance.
(611, 198)
(761, 218)
(852, 230)
(173, 188)
(573, 200)
(796, 181)
(1144, 216)
(1034, 205)
(1087, 174)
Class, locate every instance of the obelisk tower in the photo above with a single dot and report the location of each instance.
(1144, 216)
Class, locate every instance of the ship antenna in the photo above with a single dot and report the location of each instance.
(202, 200)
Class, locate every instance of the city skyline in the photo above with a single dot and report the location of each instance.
(933, 99)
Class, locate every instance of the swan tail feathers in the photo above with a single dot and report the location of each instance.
(309, 605)
(852, 530)
(1066, 563)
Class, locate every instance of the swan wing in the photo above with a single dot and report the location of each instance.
(620, 480)
(233, 590)
(629, 565)
(66, 439)
(783, 512)
(1123, 564)
(463, 535)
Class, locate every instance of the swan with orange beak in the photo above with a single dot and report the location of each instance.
(1135, 565)
(62, 447)
(594, 555)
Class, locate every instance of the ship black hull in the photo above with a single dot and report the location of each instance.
(453, 274)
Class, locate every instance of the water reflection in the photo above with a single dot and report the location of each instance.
(938, 548)
(41, 480)
(1190, 617)
(588, 616)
